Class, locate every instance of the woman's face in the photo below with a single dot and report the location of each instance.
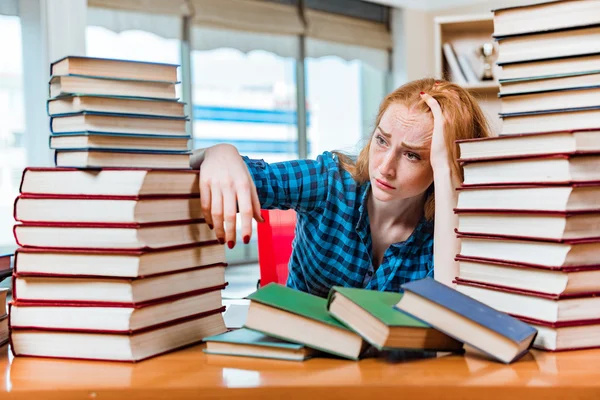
(399, 166)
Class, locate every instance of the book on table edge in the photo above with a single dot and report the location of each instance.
(214, 312)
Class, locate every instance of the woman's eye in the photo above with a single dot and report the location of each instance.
(380, 140)
(413, 156)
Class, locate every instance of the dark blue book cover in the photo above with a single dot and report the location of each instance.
(501, 323)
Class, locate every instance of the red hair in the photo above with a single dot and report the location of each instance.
(464, 120)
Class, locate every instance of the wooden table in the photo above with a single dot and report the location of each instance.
(190, 373)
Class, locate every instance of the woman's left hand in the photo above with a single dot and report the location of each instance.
(439, 153)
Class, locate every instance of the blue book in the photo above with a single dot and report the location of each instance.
(488, 330)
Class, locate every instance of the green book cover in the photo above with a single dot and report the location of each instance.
(253, 338)
(304, 305)
(296, 302)
(378, 304)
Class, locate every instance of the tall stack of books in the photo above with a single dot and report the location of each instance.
(115, 261)
(529, 209)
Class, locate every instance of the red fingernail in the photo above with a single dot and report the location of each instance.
(210, 227)
(422, 93)
(437, 82)
(221, 241)
(230, 244)
(246, 239)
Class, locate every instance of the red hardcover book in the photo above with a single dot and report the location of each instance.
(107, 346)
(116, 263)
(526, 197)
(578, 141)
(115, 290)
(543, 252)
(109, 182)
(534, 305)
(537, 224)
(106, 209)
(99, 317)
(541, 168)
(112, 236)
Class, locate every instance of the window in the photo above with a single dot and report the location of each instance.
(343, 99)
(248, 100)
(12, 126)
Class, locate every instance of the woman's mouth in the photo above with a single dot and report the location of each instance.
(384, 185)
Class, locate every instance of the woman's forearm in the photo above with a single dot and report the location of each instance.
(445, 243)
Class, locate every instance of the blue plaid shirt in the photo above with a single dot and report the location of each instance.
(333, 242)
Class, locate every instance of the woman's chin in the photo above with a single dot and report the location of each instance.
(381, 195)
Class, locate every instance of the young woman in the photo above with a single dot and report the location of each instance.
(369, 222)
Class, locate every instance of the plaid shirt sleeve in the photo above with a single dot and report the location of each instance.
(299, 184)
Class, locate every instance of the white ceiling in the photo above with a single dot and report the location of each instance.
(428, 5)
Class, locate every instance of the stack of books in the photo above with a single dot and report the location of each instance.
(426, 319)
(529, 210)
(114, 113)
(114, 263)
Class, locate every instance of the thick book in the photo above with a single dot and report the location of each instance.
(119, 141)
(119, 124)
(116, 158)
(71, 104)
(116, 290)
(576, 335)
(371, 314)
(110, 182)
(116, 347)
(562, 281)
(61, 85)
(113, 68)
(531, 251)
(529, 144)
(98, 318)
(472, 322)
(551, 121)
(112, 236)
(551, 100)
(116, 263)
(543, 69)
(540, 197)
(545, 17)
(534, 305)
(94, 209)
(540, 46)
(248, 343)
(299, 317)
(550, 84)
(542, 225)
(541, 168)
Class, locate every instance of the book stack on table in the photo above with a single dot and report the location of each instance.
(115, 260)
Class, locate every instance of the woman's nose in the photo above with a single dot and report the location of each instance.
(387, 167)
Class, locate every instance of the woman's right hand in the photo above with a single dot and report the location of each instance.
(225, 187)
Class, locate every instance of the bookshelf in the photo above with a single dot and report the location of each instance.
(465, 33)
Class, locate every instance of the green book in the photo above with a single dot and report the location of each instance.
(249, 343)
(299, 317)
(372, 315)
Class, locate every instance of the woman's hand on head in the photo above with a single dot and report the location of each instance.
(439, 152)
(225, 187)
